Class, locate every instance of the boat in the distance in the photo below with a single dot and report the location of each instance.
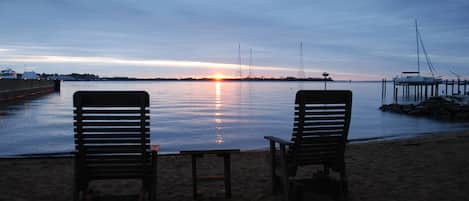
(414, 77)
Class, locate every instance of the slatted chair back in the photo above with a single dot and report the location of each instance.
(321, 125)
(112, 134)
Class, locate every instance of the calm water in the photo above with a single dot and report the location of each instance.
(199, 115)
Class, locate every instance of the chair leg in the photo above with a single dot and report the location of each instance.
(76, 193)
(344, 183)
(272, 167)
(145, 193)
(153, 183)
(152, 191)
(274, 184)
(286, 187)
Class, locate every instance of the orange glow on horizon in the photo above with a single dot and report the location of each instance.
(218, 76)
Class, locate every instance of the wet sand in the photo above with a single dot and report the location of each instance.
(431, 167)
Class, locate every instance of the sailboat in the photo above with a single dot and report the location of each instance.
(414, 77)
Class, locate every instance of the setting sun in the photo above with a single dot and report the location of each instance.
(218, 76)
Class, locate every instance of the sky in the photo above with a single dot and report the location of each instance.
(357, 40)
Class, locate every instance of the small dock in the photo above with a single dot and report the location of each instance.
(417, 91)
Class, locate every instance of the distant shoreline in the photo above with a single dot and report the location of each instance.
(228, 80)
(208, 79)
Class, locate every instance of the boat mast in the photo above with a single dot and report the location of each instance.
(427, 57)
(239, 61)
(301, 73)
(250, 62)
(418, 53)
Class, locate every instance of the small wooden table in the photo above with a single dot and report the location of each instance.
(226, 154)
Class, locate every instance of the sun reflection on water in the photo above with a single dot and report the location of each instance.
(218, 121)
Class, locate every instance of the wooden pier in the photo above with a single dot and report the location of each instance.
(414, 91)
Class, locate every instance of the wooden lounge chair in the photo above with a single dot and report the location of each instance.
(320, 129)
(112, 139)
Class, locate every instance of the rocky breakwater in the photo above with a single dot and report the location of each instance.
(12, 89)
(453, 108)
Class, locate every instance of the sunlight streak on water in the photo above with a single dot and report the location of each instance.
(201, 115)
(218, 115)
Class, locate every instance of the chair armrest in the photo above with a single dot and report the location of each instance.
(155, 148)
(154, 152)
(277, 140)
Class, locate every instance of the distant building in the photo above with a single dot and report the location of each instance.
(62, 77)
(31, 75)
(8, 74)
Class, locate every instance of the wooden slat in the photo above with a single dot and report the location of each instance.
(116, 161)
(120, 176)
(320, 128)
(316, 155)
(111, 151)
(323, 139)
(112, 130)
(326, 113)
(319, 133)
(104, 166)
(114, 157)
(320, 123)
(111, 136)
(114, 117)
(111, 111)
(318, 149)
(110, 99)
(210, 178)
(116, 171)
(107, 141)
(117, 123)
(323, 97)
(320, 118)
(322, 107)
(114, 146)
(312, 161)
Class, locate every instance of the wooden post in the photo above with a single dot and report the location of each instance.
(408, 91)
(403, 90)
(395, 97)
(459, 90)
(465, 85)
(446, 87)
(431, 91)
(227, 174)
(426, 90)
(420, 91)
(436, 89)
(194, 176)
(382, 89)
(452, 87)
(385, 87)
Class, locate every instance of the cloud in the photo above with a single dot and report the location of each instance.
(136, 62)
(175, 64)
(340, 37)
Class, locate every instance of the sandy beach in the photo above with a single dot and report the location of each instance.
(430, 167)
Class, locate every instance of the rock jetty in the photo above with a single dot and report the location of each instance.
(452, 108)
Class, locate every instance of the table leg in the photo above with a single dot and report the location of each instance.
(194, 176)
(227, 173)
